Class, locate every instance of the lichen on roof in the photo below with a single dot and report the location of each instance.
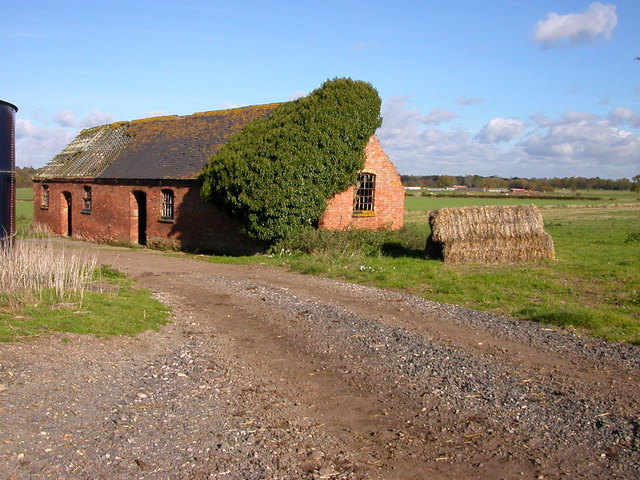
(169, 147)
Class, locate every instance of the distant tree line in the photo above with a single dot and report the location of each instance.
(541, 184)
(24, 176)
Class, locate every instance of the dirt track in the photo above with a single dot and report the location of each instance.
(266, 374)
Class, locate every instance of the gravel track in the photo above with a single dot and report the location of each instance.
(266, 374)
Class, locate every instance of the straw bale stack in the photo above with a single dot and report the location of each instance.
(489, 234)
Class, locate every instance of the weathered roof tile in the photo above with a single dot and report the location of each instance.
(171, 147)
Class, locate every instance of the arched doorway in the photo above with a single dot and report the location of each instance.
(66, 216)
(139, 217)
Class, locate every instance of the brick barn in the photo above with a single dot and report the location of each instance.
(137, 183)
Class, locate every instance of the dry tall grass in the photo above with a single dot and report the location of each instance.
(34, 270)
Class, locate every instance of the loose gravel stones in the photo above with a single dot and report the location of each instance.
(265, 374)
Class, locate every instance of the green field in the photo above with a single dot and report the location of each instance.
(24, 202)
(24, 194)
(460, 199)
(24, 209)
(592, 286)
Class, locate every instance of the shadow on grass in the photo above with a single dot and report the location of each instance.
(397, 250)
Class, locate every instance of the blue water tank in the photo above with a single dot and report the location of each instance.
(7, 171)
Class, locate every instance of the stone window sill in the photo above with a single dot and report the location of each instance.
(363, 213)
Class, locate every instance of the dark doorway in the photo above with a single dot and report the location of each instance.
(141, 207)
(67, 224)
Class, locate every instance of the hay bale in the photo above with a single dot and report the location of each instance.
(489, 234)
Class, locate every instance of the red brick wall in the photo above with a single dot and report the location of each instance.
(198, 224)
(388, 197)
(114, 217)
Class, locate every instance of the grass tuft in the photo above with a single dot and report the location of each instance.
(107, 272)
(45, 290)
(633, 237)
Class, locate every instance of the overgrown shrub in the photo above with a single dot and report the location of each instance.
(277, 174)
(633, 237)
(107, 272)
(408, 241)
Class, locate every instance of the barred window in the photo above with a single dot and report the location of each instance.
(86, 198)
(167, 204)
(363, 201)
(45, 196)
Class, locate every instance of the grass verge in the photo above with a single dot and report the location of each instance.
(126, 311)
(44, 293)
(593, 286)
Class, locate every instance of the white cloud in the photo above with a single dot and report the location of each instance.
(541, 119)
(598, 21)
(65, 118)
(622, 115)
(438, 115)
(501, 130)
(41, 138)
(469, 100)
(582, 144)
(96, 117)
(24, 128)
(575, 144)
(298, 94)
(418, 147)
(36, 145)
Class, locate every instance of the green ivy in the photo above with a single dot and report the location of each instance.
(278, 173)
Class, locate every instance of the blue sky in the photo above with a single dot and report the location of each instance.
(490, 87)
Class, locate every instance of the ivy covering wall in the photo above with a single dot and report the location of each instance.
(277, 174)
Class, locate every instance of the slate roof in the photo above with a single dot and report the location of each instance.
(173, 147)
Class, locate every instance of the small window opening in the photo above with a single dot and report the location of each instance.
(86, 198)
(167, 205)
(45, 197)
(363, 201)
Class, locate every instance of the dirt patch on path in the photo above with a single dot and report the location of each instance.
(267, 374)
